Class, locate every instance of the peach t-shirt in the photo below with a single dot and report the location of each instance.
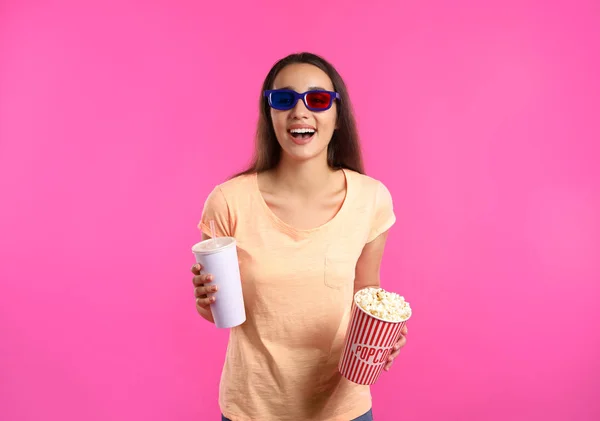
(298, 285)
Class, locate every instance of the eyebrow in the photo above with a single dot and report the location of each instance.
(310, 88)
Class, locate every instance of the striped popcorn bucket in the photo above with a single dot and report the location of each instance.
(368, 344)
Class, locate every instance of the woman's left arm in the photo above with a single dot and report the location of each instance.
(367, 275)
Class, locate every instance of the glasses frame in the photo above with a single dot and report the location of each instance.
(332, 97)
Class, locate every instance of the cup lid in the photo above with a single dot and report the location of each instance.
(210, 245)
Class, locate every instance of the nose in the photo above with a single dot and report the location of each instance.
(299, 111)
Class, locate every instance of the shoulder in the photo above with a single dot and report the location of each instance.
(228, 193)
(239, 185)
(366, 186)
(224, 202)
(375, 203)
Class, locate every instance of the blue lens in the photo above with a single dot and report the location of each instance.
(282, 99)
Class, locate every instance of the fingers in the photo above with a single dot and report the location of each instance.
(401, 342)
(394, 354)
(404, 330)
(204, 303)
(200, 280)
(391, 358)
(395, 351)
(196, 269)
(202, 291)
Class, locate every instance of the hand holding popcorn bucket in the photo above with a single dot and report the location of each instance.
(375, 324)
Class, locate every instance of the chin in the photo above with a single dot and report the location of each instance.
(305, 154)
(303, 150)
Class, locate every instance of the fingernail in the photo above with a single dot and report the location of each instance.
(211, 277)
(212, 299)
(213, 288)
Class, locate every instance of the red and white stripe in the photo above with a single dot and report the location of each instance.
(371, 335)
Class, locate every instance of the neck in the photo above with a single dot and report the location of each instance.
(302, 177)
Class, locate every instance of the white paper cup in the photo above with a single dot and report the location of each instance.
(368, 344)
(219, 258)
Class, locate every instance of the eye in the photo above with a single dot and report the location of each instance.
(318, 99)
(282, 98)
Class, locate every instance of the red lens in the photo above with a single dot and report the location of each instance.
(319, 100)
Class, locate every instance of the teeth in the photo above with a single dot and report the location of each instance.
(302, 131)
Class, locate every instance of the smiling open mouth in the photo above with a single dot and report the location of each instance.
(302, 133)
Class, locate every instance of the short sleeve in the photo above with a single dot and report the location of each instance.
(384, 216)
(215, 208)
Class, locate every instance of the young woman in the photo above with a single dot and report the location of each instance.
(310, 231)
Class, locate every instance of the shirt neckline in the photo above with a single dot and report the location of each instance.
(289, 228)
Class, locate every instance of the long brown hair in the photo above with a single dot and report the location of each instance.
(343, 150)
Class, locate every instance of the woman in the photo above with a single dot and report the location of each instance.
(310, 230)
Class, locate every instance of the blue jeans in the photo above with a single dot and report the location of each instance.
(364, 417)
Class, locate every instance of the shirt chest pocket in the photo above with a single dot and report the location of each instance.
(340, 266)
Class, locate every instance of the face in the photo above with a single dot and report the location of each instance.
(288, 123)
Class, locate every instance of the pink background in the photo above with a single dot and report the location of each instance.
(118, 117)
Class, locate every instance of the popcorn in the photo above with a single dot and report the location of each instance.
(388, 306)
